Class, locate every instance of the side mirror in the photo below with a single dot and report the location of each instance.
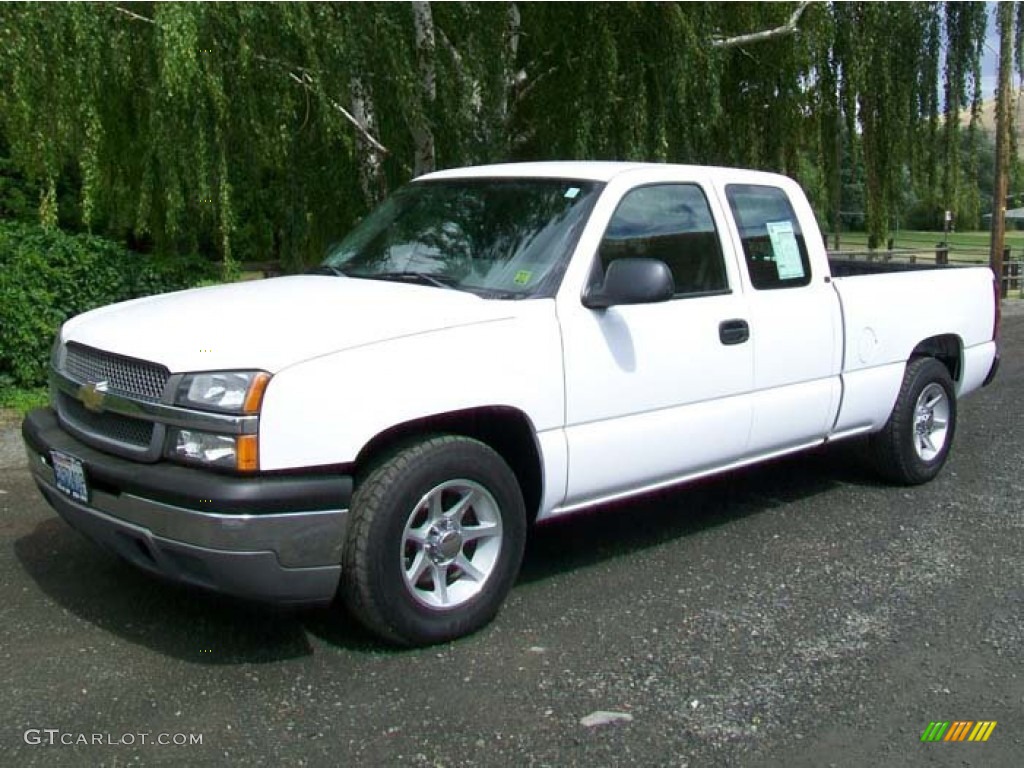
(632, 281)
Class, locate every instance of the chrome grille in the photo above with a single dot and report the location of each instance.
(124, 375)
(107, 426)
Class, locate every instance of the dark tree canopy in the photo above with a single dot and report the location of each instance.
(262, 130)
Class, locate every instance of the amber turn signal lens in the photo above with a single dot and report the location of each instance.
(248, 453)
(254, 397)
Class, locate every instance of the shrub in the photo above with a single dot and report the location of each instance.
(47, 276)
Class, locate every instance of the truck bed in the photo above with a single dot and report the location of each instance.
(855, 267)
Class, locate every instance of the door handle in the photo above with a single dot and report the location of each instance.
(733, 331)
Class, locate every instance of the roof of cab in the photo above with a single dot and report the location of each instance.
(589, 170)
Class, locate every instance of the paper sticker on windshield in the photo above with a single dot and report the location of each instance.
(787, 253)
(522, 277)
(571, 192)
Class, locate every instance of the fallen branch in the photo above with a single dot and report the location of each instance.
(788, 28)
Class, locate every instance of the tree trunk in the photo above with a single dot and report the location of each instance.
(423, 137)
(371, 171)
(512, 33)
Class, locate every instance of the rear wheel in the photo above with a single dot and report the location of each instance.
(915, 442)
(435, 541)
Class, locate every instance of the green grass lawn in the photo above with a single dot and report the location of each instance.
(17, 401)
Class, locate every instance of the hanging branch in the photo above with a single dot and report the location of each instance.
(305, 80)
(133, 15)
(788, 28)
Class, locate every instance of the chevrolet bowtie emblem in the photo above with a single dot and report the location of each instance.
(92, 395)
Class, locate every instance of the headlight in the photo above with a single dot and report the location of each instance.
(229, 451)
(225, 392)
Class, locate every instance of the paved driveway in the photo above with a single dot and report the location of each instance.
(796, 614)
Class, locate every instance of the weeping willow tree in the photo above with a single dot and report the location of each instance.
(880, 67)
(177, 119)
(263, 130)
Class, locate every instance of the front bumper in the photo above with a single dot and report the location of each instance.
(275, 538)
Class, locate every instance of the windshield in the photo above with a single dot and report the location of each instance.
(504, 238)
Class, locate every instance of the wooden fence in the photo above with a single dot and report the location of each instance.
(1012, 283)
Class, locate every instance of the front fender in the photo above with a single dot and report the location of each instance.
(324, 411)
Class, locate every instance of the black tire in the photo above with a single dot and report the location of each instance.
(897, 451)
(374, 585)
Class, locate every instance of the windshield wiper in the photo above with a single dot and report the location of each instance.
(423, 278)
(327, 269)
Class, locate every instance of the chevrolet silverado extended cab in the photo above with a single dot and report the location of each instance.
(492, 347)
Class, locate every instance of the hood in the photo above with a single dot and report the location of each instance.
(271, 324)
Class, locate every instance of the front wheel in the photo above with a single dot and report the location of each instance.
(435, 540)
(913, 445)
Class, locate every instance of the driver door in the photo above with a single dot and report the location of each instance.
(655, 392)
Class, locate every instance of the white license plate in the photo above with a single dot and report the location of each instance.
(69, 475)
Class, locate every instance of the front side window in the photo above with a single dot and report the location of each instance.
(773, 243)
(672, 223)
(499, 238)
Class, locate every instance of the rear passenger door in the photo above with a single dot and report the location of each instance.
(794, 318)
(658, 391)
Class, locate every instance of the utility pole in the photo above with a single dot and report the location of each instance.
(837, 183)
(1005, 21)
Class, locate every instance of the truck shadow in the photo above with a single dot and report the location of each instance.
(204, 628)
(173, 620)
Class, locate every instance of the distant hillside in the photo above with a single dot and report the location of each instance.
(988, 120)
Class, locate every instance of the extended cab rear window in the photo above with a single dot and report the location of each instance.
(773, 242)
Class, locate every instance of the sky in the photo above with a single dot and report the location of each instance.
(990, 56)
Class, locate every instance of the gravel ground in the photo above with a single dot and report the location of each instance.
(796, 614)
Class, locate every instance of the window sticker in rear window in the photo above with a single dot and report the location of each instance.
(785, 249)
(773, 244)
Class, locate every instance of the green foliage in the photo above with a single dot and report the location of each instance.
(221, 127)
(18, 196)
(47, 276)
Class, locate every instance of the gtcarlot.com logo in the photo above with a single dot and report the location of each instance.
(56, 737)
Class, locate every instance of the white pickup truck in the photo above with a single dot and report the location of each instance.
(492, 347)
